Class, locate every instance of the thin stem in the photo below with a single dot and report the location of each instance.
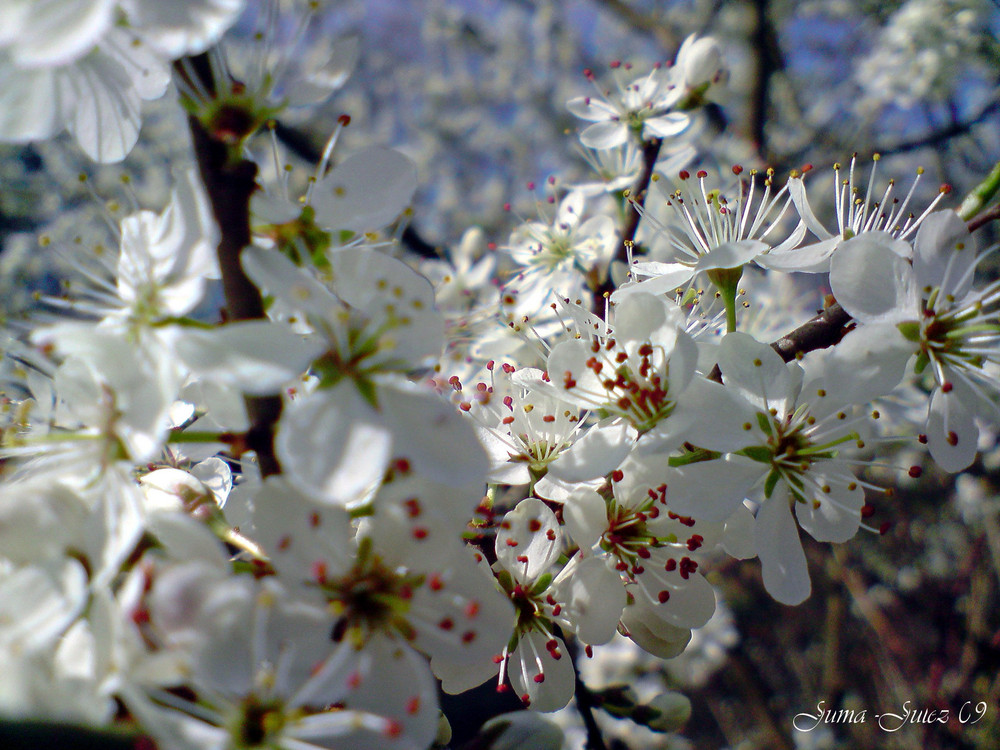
(585, 704)
(822, 330)
(636, 199)
(730, 302)
(980, 195)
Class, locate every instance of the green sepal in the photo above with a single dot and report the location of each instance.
(771, 482)
(758, 453)
(618, 700)
(367, 390)
(505, 579)
(541, 584)
(921, 364)
(764, 422)
(693, 457)
(910, 330)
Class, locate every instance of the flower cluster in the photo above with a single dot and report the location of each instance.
(373, 476)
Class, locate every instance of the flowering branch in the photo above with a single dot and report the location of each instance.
(824, 329)
(636, 198)
(229, 186)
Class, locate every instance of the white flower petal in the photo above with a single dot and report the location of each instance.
(333, 444)
(594, 110)
(366, 191)
(783, 563)
(585, 514)
(546, 681)
(182, 27)
(666, 126)
(755, 369)
(595, 597)
(838, 514)
(731, 254)
(944, 254)
(256, 356)
(952, 434)
(872, 282)
(604, 135)
(430, 433)
(598, 452)
(529, 540)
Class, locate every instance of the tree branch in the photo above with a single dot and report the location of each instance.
(642, 22)
(936, 137)
(636, 197)
(769, 61)
(229, 184)
(822, 330)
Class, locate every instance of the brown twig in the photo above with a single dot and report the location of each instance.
(824, 329)
(229, 184)
(636, 199)
(985, 218)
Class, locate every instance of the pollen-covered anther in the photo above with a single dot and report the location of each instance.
(318, 571)
(687, 567)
